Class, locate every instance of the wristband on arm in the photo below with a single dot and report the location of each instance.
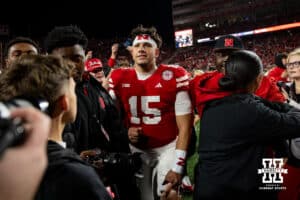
(179, 161)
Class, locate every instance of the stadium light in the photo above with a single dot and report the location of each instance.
(257, 31)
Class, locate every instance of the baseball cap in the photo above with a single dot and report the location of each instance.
(228, 42)
(92, 64)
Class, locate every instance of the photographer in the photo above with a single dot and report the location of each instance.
(22, 167)
(51, 78)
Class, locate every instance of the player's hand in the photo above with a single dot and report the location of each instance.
(133, 134)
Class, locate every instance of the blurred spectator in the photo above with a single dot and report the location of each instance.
(279, 73)
(95, 68)
(292, 92)
(19, 46)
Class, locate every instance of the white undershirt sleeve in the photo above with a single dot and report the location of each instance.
(183, 104)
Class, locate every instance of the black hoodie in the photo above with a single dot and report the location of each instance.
(96, 112)
(68, 177)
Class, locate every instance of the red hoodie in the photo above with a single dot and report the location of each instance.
(275, 74)
(269, 90)
(205, 88)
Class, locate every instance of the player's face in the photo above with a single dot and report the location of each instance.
(19, 49)
(144, 54)
(75, 54)
(293, 67)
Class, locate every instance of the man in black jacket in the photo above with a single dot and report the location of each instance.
(98, 123)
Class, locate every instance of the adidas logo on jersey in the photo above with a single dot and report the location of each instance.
(158, 85)
(125, 85)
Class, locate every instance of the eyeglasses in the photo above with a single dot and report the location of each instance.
(97, 70)
(293, 64)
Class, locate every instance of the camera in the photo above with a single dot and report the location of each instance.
(11, 130)
(284, 85)
(113, 166)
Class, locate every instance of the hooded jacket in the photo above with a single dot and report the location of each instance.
(98, 122)
(68, 177)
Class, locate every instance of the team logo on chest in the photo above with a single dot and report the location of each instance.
(167, 75)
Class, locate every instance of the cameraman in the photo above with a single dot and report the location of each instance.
(22, 167)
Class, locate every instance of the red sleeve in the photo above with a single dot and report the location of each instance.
(275, 74)
(269, 91)
(111, 62)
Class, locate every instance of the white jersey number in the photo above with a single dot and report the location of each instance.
(145, 101)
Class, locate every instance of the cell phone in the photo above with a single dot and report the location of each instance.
(127, 43)
(284, 85)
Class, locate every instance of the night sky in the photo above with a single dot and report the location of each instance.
(107, 19)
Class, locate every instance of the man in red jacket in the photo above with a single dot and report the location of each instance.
(224, 46)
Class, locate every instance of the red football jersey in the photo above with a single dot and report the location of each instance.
(150, 103)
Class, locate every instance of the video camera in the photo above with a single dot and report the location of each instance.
(11, 130)
(112, 166)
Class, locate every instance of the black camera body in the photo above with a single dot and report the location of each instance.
(11, 130)
(113, 166)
